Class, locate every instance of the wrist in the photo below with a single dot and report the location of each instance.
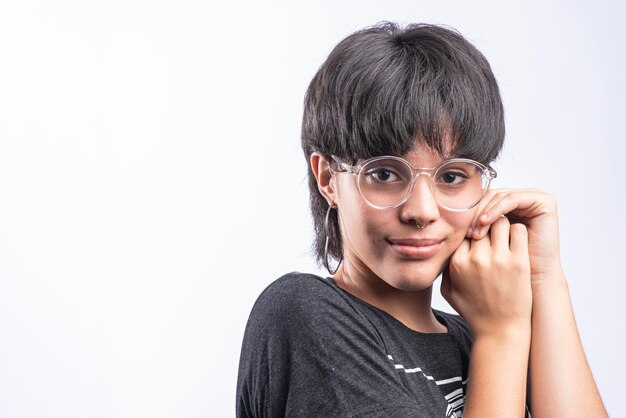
(550, 292)
(550, 274)
(514, 333)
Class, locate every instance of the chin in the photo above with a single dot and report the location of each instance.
(414, 279)
(413, 285)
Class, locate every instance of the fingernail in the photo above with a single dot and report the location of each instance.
(485, 216)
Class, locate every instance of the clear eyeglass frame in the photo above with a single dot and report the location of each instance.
(487, 171)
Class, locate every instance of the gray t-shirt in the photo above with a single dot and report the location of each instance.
(311, 349)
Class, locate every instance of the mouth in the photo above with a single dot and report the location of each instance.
(416, 249)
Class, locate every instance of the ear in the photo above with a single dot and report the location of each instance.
(326, 179)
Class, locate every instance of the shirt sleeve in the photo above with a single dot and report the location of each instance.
(306, 352)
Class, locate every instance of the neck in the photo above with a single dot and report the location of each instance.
(412, 308)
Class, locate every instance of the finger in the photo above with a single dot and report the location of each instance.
(518, 205)
(499, 234)
(460, 253)
(480, 210)
(523, 204)
(479, 245)
(519, 239)
(463, 248)
(487, 215)
(477, 229)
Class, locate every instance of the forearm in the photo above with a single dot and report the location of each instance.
(497, 375)
(560, 378)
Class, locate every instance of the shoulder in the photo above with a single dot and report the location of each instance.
(305, 351)
(298, 349)
(297, 293)
(296, 286)
(301, 306)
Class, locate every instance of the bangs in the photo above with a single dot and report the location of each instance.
(383, 90)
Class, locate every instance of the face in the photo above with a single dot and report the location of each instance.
(369, 233)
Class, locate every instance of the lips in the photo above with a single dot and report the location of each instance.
(418, 249)
(421, 242)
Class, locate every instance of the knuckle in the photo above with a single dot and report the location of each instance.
(498, 261)
(520, 265)
(456, 261)
(480, 261)
(519, 261)
(502, 194)
(501, 260)
(552, 199)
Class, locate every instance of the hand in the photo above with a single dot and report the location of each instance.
(488, 280)
(535, 209)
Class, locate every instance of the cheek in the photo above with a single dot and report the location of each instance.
(359, 220)
(460, 223)
(364, 228)
(363, 221)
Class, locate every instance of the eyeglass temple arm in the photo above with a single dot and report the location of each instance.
(345, 166)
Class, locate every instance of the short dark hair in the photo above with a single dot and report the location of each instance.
(384, 87)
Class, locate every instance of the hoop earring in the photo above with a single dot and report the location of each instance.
(326, 245)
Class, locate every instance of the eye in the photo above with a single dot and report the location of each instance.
(382, 175)
(452, 178)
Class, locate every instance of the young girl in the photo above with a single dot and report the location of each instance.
(399, 128)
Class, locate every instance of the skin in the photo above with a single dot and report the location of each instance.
(561, 380)
(504, 278)
(371, 269)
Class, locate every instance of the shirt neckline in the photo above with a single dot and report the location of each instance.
(438, 314)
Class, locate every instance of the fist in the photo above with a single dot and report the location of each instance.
(488, 280)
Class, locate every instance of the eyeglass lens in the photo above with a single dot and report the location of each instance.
(456, 185)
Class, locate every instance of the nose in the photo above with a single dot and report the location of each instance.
(421, 206)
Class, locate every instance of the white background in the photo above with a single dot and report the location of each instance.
(152, 182)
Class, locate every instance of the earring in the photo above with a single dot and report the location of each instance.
(326, 264)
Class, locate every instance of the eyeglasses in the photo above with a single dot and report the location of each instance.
(457, 184)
